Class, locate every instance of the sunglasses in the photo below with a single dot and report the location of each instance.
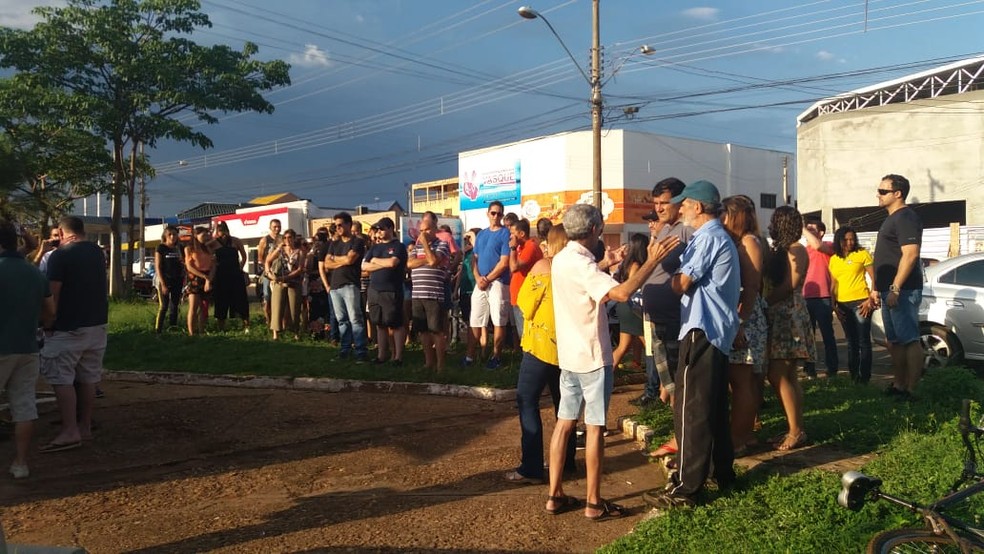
(883, 192)
(495, 213)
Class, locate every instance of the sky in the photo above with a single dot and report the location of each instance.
(387, 92)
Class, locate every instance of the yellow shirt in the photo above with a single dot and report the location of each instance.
(535, 300)
(849, 274)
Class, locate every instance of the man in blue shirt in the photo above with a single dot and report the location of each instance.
(709, 280)
(490, 299)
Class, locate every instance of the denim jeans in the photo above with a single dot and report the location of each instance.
(668, 334)
(346, 301)
(822, 316)
(858, 331)
(534, 375)
(333, 321)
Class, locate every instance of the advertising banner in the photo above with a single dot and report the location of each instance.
(482, 184)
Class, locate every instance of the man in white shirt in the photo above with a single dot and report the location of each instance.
(585, 351)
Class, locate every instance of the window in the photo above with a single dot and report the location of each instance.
(767, 201)
(970, 274)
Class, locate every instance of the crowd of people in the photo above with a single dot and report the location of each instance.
(718, 309)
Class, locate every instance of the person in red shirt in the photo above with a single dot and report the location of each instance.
(816, 292)
(523, 253)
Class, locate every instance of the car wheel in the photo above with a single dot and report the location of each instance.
(941, 348)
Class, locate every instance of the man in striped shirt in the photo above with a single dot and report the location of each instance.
(428, 264)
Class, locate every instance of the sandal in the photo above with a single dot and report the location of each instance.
(609, 510)
(792, 442)
(562, 504)
(665, 449)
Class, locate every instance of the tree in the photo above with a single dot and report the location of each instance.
(45, 164)
(127, 71)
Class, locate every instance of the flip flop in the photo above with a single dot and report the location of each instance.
(563, 503)
(665, 449)
(797, 441)
(60, 446)
(609, 510)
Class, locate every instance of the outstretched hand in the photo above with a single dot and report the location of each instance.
(659, 249)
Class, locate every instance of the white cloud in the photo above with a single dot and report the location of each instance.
(312, 57)
(825, 56)
(359, 18)
(17, 13)
(704, 14)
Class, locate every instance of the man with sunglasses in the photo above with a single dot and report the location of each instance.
(490, 299)
(898, 283)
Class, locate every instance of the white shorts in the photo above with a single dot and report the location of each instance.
(70, 356)
(494, 302)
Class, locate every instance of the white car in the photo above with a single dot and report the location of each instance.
(148, 266)
(951, 315)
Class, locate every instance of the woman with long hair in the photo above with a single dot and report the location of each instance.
(200, 265)
(747, 359)
(848, 267)
(790, 333)
(285, 269)
(629, 322)
(539, 368)
(169, 277)
(229, 292)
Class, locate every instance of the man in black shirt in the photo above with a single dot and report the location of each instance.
(75, 345)
(898, 283)
(344, 260)
(386, 264)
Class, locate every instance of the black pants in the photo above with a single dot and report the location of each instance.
(701, 415)
(168, 303)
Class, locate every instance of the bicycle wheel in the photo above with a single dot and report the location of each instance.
(902, 541)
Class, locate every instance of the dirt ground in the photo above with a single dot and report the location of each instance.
(195, 468)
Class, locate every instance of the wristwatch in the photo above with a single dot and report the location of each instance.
(894, 289)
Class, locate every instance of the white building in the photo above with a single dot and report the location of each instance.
(541, 177)
(928, 127)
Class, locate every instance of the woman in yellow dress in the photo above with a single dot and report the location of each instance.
(539, 367)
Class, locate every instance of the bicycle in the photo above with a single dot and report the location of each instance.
(943, 532)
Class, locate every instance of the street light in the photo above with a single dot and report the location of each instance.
(594, 81)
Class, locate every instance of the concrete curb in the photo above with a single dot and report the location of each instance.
(636, 431)
(312, 383)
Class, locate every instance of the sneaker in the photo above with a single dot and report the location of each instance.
(467, 362)
(580, 439)
(670, 501)
(397, 363)
(645, 402)
(100, 393)
(342, 357)
(892, 391)
(361, 358)
(493, 363)
(377, 361)
(19, 471)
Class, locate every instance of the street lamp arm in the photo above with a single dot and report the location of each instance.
(529, 13)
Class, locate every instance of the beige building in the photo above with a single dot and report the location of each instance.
(928, 127)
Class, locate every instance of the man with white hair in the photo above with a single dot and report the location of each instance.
(585, 351)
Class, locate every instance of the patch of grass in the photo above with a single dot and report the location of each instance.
(920, 457)
(134, 346)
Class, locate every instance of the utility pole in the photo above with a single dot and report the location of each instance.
(785, 180)
(597, 103)
(143, 212)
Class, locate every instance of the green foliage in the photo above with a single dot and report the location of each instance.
(123, 71)
(133, 345)
(920, 457)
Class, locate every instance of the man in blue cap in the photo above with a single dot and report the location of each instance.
(709, 279)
